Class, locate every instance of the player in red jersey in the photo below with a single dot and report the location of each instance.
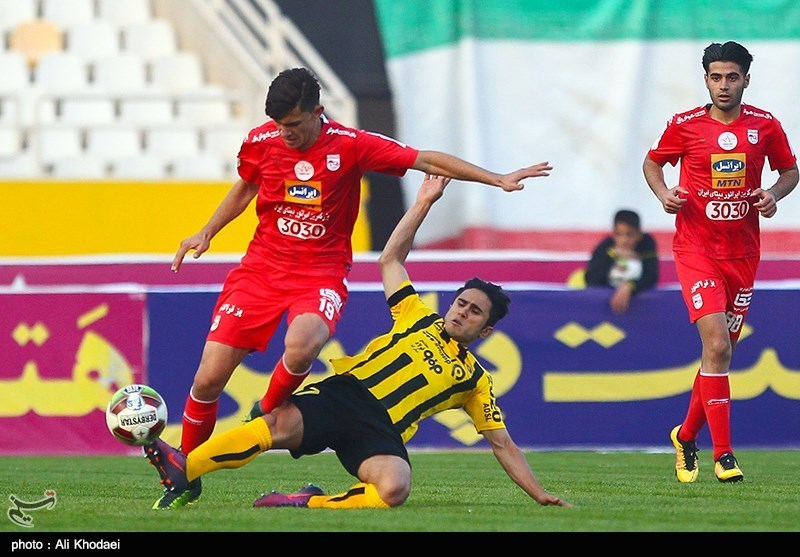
(722, 148)
(305, 172)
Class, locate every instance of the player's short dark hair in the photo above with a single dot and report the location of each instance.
(497, 297)
(626, 216)
(295, 87)
(728, 52)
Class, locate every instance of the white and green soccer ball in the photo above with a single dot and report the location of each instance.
(136, 415)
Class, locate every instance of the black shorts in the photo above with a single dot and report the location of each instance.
(341, 414)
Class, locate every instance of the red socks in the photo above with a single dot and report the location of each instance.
(695, 416)
(282, 384)
(199, 419)
(716, 394)
(710, 403)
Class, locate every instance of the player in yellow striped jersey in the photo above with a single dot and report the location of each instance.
(372, 405)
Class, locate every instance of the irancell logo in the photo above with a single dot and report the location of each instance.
(756, 114)
(682, 119)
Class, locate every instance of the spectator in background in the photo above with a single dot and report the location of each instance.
(626, 260)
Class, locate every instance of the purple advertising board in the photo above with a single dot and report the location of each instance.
(63, 356)
(568, 373)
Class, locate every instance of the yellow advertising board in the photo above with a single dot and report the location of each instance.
(44, 218)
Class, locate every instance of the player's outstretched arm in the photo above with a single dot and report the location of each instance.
(516, 466)
(393, 257)
(444, 164)
(237, 200)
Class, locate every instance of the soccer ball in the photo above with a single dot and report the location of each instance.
(136, 415)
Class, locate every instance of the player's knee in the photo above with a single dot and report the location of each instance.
(394, 493)
(719, 347)
(207, 387)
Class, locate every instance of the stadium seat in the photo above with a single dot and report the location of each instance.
(199, 167)
(92, 39)
(35, 38)
(146, 110)
(23, 165)
(141, 167)
(14, 70)
(111, 143)
(179, 73)
(172, 142)
(14, 12)
(121, 73)
(66, 13)
(223, 142)
(10, 141)
(61, 72)
(79, 167)
(57, 142)
(124, 12)
(203, 109)
(150, 39)
(86, 110)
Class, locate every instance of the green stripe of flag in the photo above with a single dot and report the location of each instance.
(409, 26)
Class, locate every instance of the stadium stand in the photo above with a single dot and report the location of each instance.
(75, 69)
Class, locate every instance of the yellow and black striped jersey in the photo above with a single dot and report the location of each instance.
(416, 369)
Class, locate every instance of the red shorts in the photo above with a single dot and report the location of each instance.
(251, 305)
(717, 285)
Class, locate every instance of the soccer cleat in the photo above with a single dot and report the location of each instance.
(686, 454)
(299, 499)
(255, 412)
(174, 499)
(727, 469)
(171, 466)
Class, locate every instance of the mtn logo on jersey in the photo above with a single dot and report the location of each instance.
(728, 170)
(304, 193)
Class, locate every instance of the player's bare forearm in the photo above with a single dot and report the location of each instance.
(398, 246)
(233, 205)
(444, 164)
(513, 461)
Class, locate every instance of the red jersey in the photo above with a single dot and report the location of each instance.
(721, 165)
(308, 201)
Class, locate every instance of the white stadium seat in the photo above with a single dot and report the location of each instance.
(150, 39)
(61, 72)
(79, 167)
(65, 13)
(113, 142)
(203, 109)
(124, 12)
(199, 167)
(14, 12)
(172, 142)
(86, 110)
(141, 167)
(179, 73)
(146, 110)
(92, 39)
(223, 141)
(121, 73)
(57, 142)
